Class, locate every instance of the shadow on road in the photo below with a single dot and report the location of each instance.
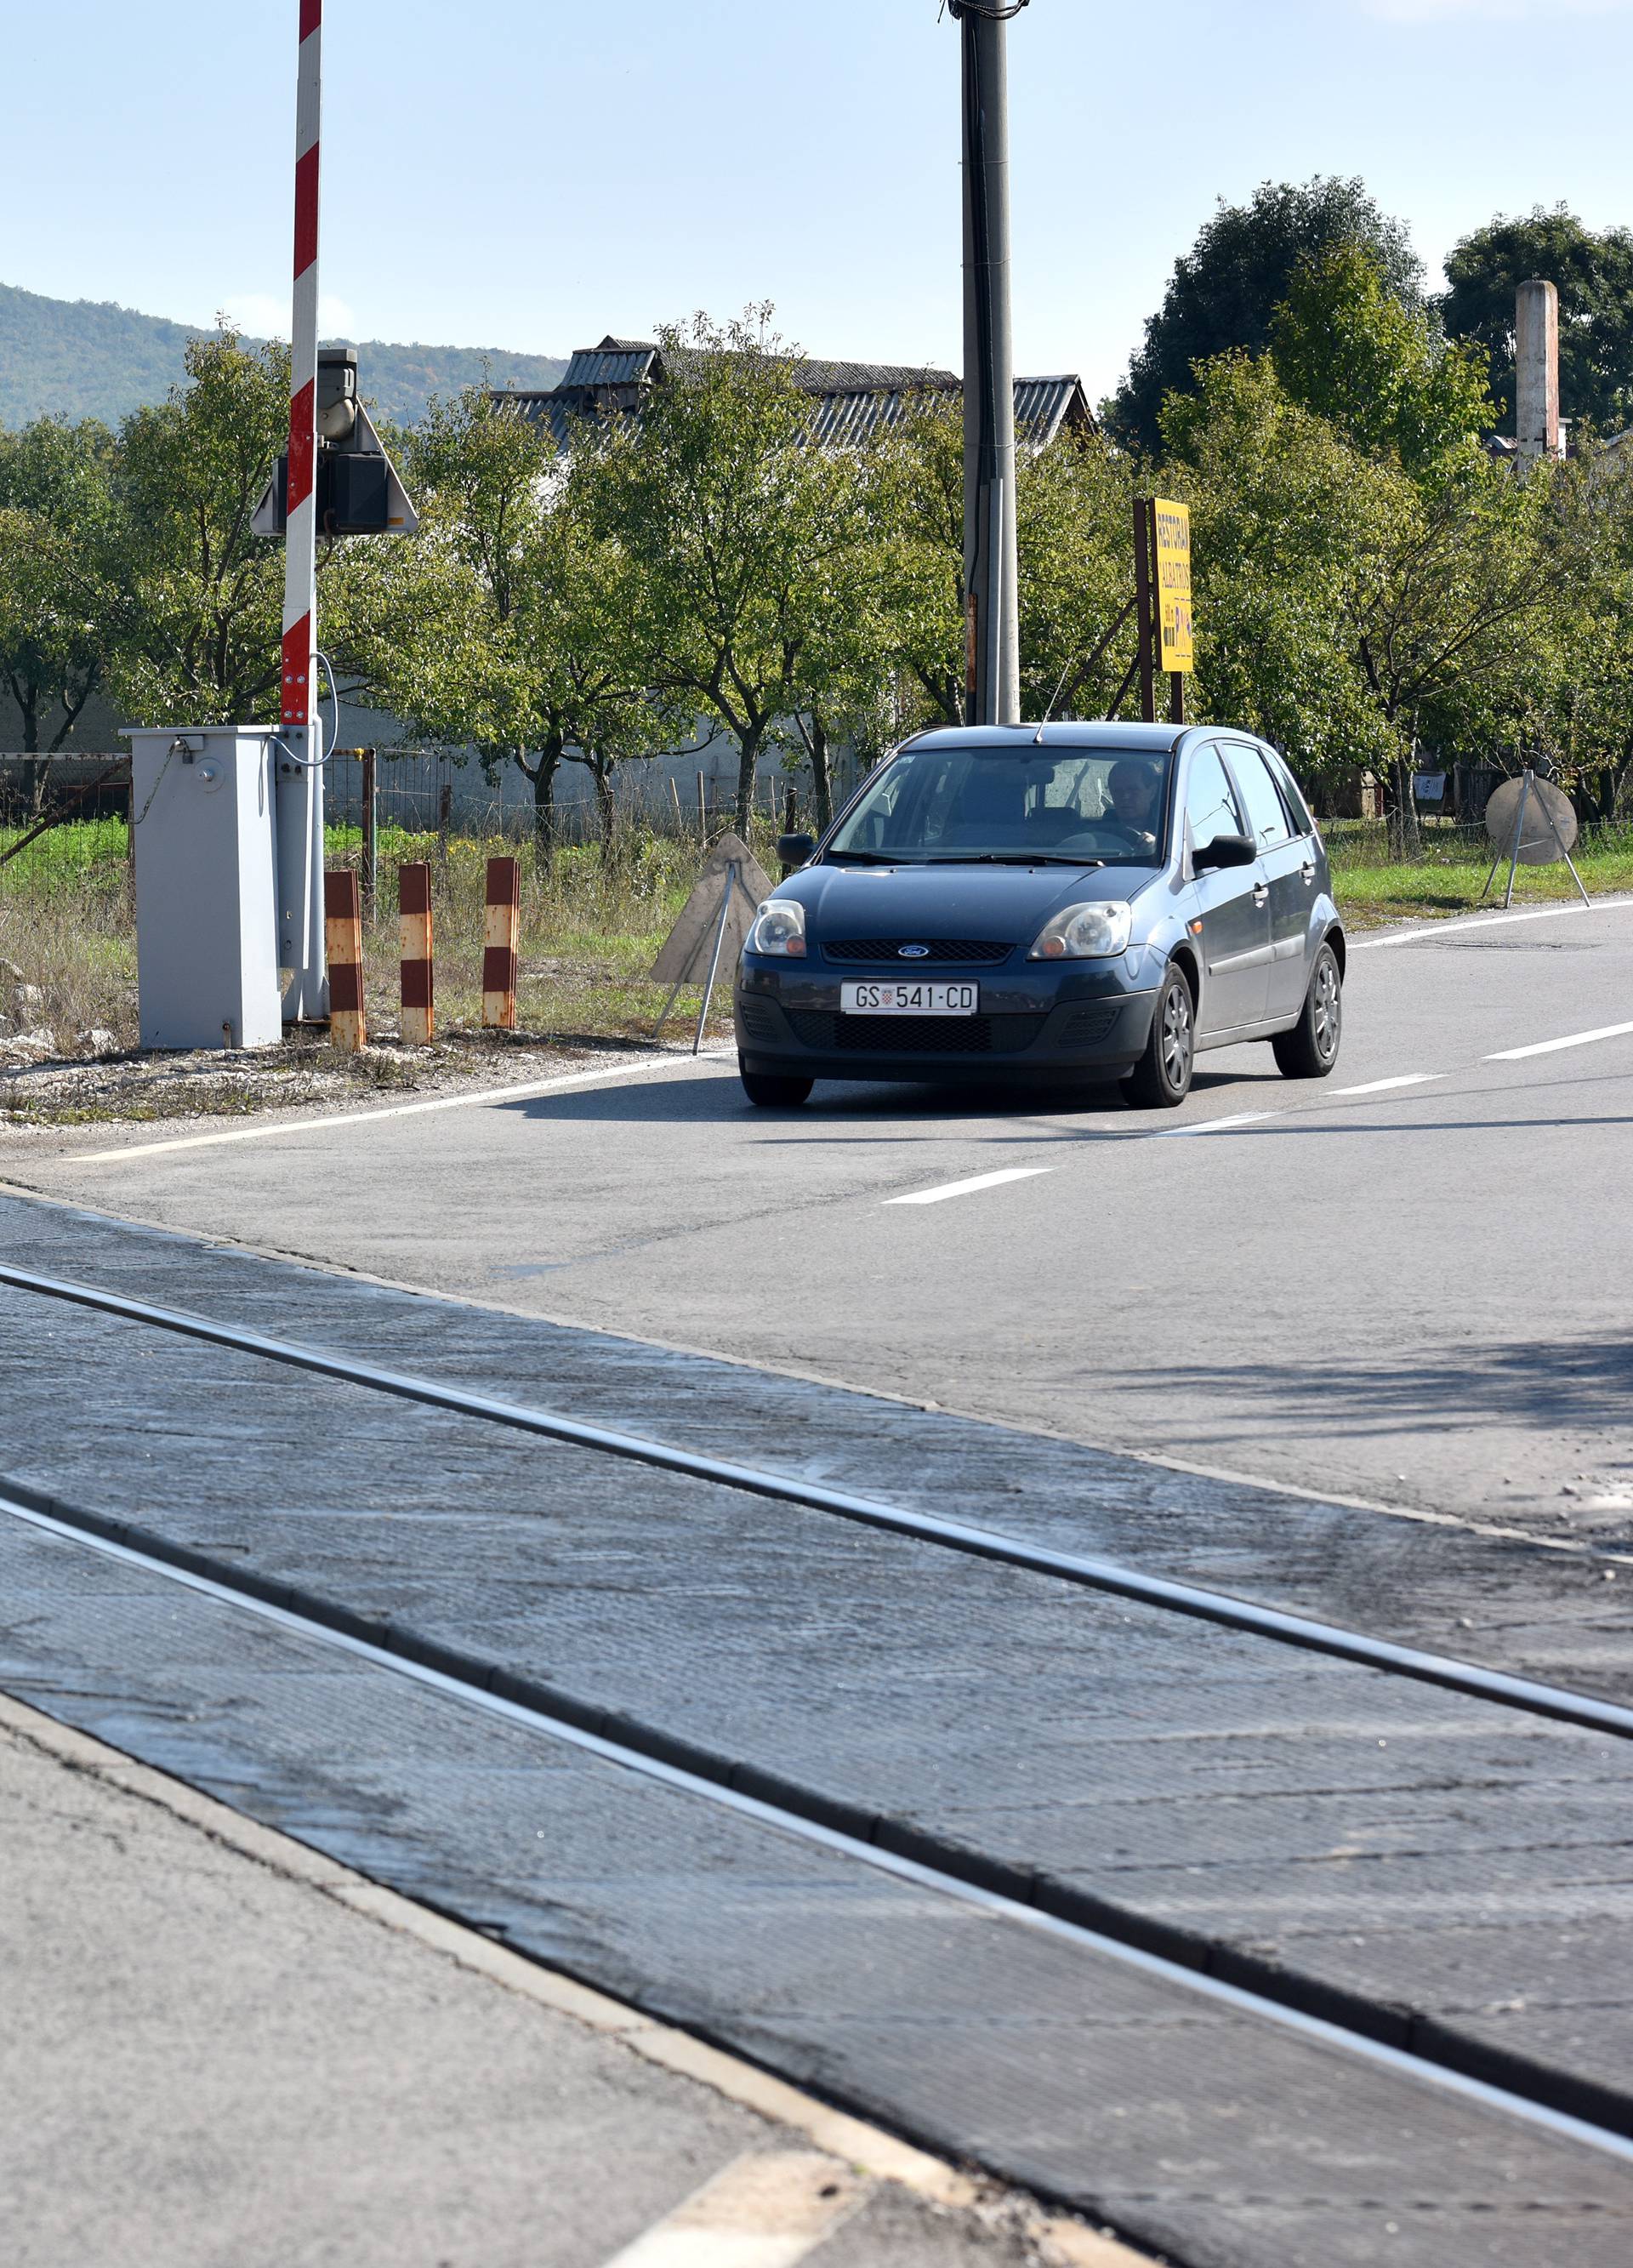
(712, 1099)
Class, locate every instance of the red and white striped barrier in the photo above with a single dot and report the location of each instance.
(499, 943)
(342, 924)
(300, 632)
(414, 931)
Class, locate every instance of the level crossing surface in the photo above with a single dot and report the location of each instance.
(1184, 1788)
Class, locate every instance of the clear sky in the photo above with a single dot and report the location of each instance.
(532, 173)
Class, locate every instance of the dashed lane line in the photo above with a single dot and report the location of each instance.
(946, 1190)
(1382, 1085)
(768, 2209)
(1217, 1125)
(1552, 1047)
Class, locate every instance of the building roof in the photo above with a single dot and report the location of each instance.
(852, 399)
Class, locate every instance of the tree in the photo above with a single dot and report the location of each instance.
(1283, 516)
(1344, 605)
(1594, 277)
(1381, 372)
(506, 626)
(201, 606)
(54, 602)
(1225, 292)
(721, 505)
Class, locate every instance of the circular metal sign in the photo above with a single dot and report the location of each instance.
(1545, 802)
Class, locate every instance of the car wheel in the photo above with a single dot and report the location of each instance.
(767, 1091)
(1310, 1048)
(1162, 1078)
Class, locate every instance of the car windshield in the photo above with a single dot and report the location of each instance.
(967, 804)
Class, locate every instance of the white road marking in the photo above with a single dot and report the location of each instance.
(495, 1094)
(1458, 927)
(1217, 1125)
(1380, 1085)
(767, 2210)
(1552, 1047)
(968, 1188)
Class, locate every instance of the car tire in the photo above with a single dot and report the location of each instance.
(1161, 1079)
(1310, 1049)
(769, 1091)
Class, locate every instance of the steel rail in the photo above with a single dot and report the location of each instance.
(224, 1585)
(1444, 1671)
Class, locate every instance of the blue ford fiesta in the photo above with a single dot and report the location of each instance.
(1041, 905)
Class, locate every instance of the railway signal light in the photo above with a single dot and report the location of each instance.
(356, 487)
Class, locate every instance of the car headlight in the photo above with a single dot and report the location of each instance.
(779, 927)
(1091, 933)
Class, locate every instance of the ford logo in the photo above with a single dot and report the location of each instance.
(913, 952)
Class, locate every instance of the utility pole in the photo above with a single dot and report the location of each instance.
(300, 774)
(991, 577)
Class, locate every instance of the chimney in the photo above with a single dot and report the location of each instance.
(1536, 372)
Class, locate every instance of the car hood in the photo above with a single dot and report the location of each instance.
(1001, 904)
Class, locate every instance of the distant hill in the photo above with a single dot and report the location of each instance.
(89, 359)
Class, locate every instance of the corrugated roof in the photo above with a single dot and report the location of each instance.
(854, 399)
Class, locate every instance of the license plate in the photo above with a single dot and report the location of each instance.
(909, 999)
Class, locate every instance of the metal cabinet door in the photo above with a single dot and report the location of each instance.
(1234, 905)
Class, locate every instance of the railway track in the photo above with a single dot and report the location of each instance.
(1391, 2031)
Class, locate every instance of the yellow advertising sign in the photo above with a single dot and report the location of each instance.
(1173, 582)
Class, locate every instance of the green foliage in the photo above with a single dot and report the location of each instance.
(1344, 605)
(1594, 276)
(196, 637)
(1346, 346)
(55, 594)
(79, 359)
(508, 626)
(741, 538)
(1224, 293)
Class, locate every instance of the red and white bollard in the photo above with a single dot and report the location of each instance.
(414, 930)
(343, 910)
(500, 941)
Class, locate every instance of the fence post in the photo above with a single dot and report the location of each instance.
(342, 926)
(414, 932)
(499, 945)
(702, 814)
(370, 836)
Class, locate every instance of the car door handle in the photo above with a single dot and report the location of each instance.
(1260, 892)
(1308, 870)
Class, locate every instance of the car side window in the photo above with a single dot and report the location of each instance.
(1211, 806)
(1266, 814)
(1292, 795)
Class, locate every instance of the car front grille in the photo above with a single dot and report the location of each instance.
(979, 951)
(914, 1036)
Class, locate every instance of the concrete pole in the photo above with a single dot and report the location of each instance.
(299, 782)
(1537, 370)
(991, 578)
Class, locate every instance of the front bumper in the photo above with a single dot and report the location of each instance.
(1038, 1025)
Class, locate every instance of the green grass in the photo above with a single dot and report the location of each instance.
(1449, 876)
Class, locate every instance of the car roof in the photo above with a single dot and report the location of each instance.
(1153, 739)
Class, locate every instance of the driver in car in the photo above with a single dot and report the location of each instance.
(1133, 788)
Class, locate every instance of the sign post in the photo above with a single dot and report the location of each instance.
(1162, 585)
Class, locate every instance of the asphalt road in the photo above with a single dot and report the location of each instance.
(1413, 1294)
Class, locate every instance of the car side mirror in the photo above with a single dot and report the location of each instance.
(1226, 850)
(795, 849)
